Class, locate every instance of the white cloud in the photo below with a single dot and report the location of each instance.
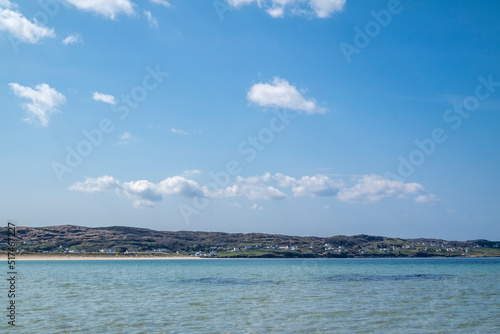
(179, 132)
(427, 198)
(107, 8)
(276, 8)
(248, 191)
(7, 4)
(280, 94)
(315, 186)
(110, 99)
(151, 19)
(44, 101)
(143, 193)
(266, 177)
(236, 205)
(72, 39)
(180, 185)
(372, 188)
(239, 3)
(126, 138)
(14, 23)
(325, 8)
(254, 187)
(96, 185)
(161, 2)
(368, 188)
(255, 206)
(276, 11)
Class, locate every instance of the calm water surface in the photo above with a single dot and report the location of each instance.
(258, 296)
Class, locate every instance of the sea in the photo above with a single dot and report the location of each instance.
(402, 295)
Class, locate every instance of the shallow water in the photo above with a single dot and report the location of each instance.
(258, 296)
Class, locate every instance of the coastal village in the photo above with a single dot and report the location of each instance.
(420, 247)
(126, 241)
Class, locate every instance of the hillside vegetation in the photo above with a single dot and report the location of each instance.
(132, 240)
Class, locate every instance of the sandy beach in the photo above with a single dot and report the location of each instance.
(97, 257)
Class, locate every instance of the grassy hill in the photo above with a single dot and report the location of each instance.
(122, 239)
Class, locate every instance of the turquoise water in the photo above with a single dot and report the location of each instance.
(258, 296)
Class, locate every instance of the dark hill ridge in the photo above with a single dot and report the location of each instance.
(118, 239)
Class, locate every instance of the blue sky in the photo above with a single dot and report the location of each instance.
(304, 117)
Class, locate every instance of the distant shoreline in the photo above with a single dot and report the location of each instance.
(100, 257)
(96, 257)
(122, 242)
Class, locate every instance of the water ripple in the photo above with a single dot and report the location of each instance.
(361, 278)
(230, 281)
